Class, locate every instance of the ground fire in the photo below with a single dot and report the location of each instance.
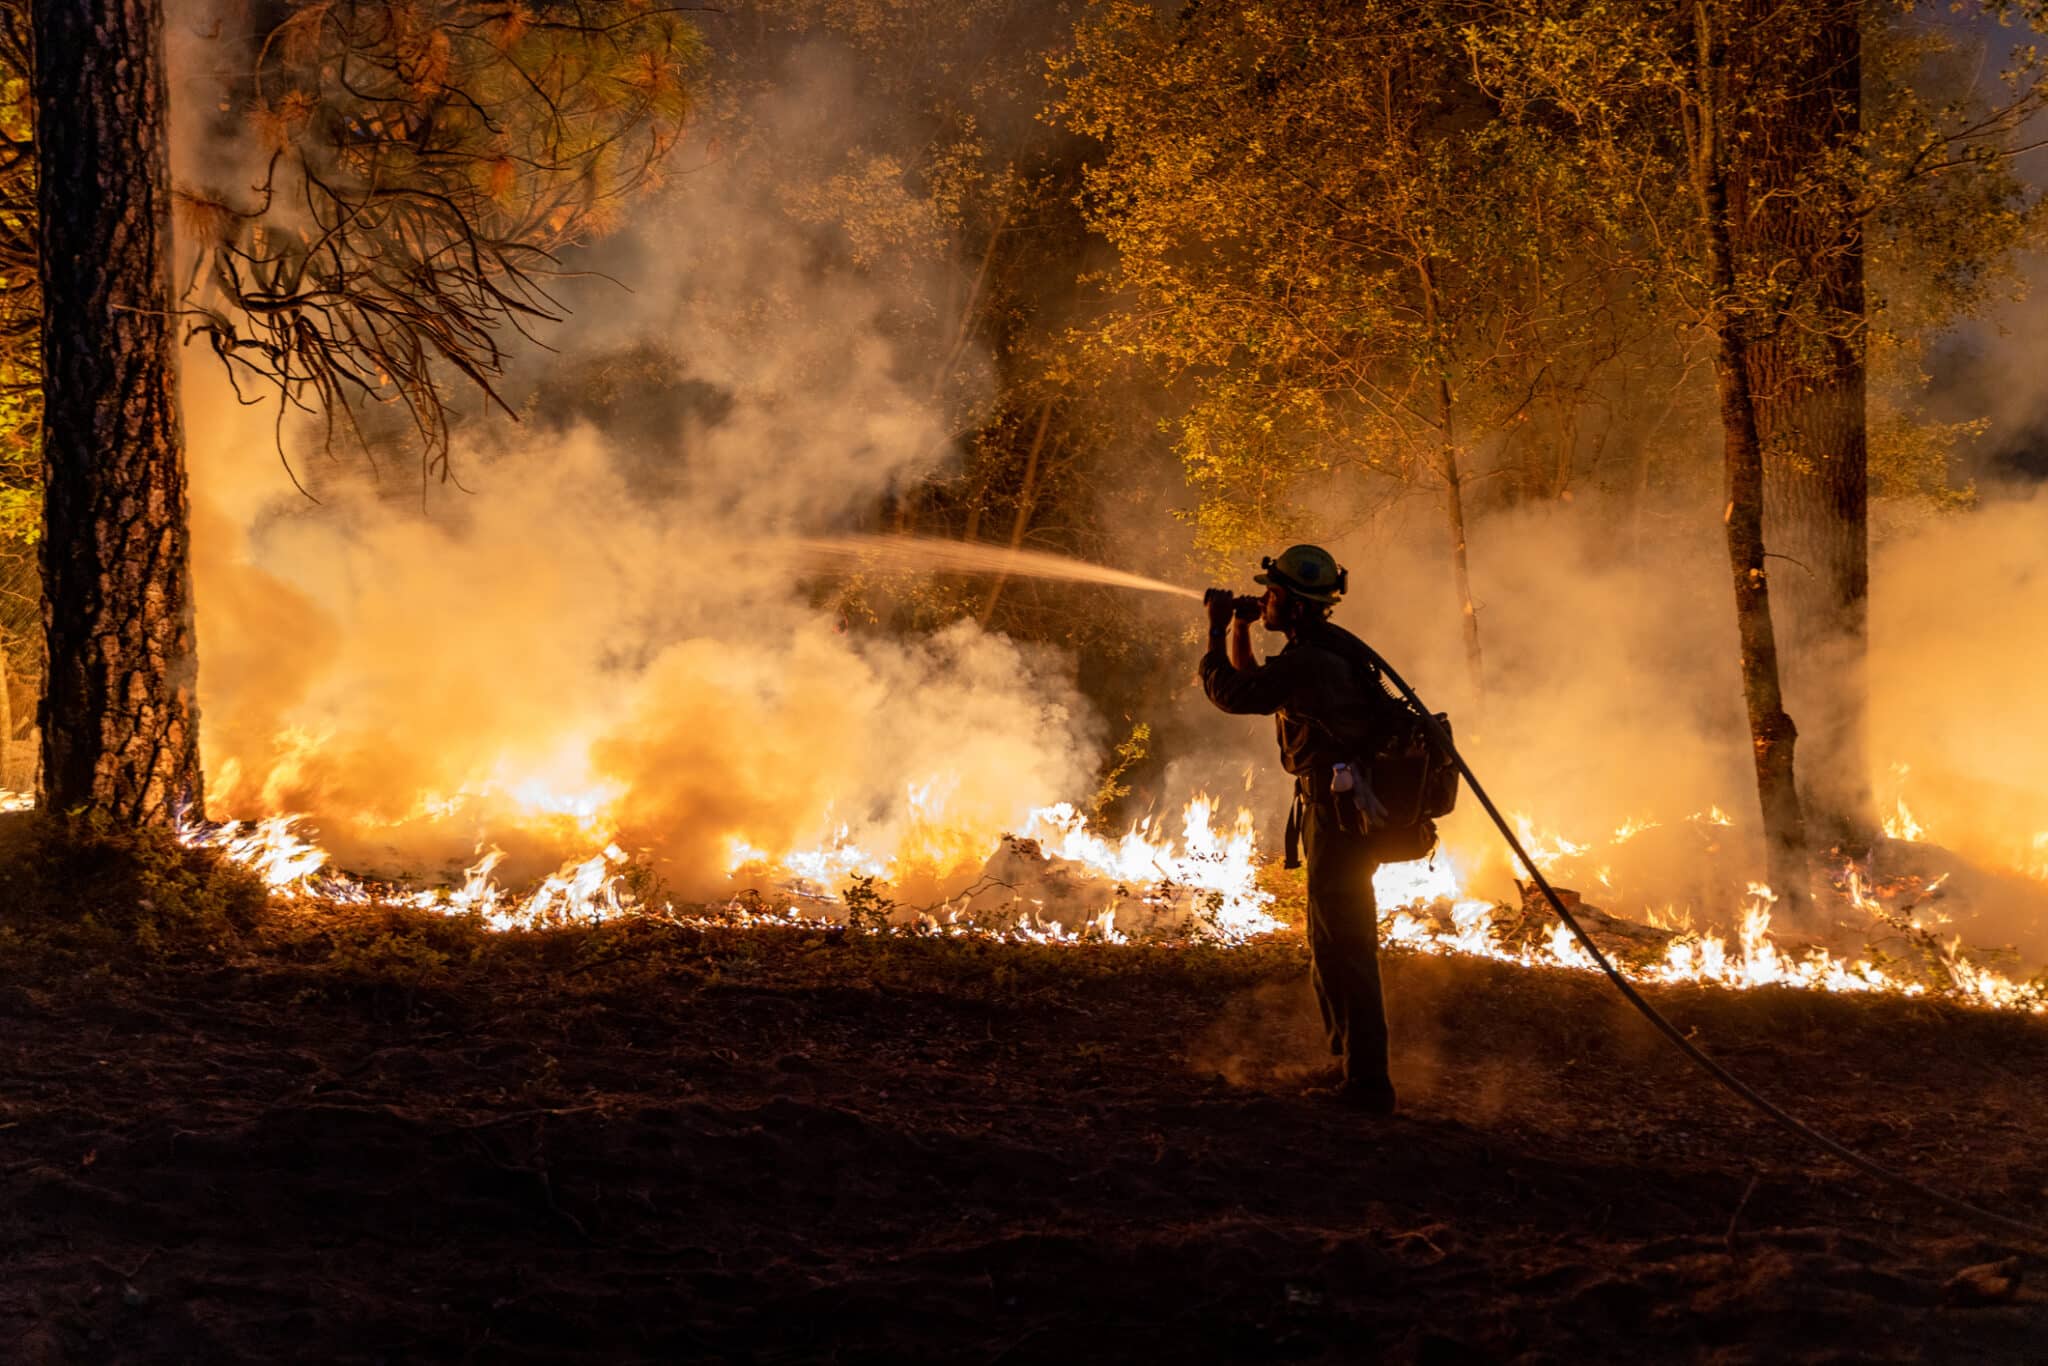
(1054, 881)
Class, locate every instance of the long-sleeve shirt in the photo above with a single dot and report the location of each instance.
(1324, 695)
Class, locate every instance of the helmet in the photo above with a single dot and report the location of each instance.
(1307, 571)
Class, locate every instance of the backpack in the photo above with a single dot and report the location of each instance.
(1408, 780)
(1414, 782)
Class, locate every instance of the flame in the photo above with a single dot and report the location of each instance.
(293, 866)
(1544, 848)
(2026, 856)
(1900, 824)
(1753, 960)
(1220, 867)
(1201, 881)
(1210, 876)
(1207, 879)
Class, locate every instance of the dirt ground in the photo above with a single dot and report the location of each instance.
(775, 1146)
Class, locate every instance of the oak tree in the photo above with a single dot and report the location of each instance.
(1363, 278)
(1758, 110)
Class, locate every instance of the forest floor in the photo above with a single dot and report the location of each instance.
(364, 1137)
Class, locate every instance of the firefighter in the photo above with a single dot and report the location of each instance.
(1327, 704)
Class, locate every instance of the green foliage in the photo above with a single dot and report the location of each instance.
(1289, 890)
(1371, 240)
(79, 885)
(1951, 212)
(1127, 755)
(427, 162)
(399, 955)
(1921, 181)
(21, 405)
(1360, 272)
(868, 907)
(536, 120)
(1946, 201)
(1911, 453)
(20, 288)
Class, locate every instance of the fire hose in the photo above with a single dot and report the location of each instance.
(2036, 1238)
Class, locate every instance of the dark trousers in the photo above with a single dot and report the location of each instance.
(1343, 944)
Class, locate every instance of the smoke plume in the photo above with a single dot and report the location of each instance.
(604, 624)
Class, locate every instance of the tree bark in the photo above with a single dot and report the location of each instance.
(118, 717)
(1772, 734)
(1792, 223)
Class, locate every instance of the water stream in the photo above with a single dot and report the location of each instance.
(912, 553)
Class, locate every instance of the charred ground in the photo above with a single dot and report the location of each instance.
(352, 1136)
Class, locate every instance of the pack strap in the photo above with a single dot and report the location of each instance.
(1295, 814)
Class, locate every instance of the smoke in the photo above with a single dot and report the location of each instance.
(1611, 684)
(1613, 696)
(1989, 368)
(603, 630)
(1957, 607)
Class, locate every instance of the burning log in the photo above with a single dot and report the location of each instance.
(1626, 939)
(1025, 884)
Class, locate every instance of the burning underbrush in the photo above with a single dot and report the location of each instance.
(1904, 920)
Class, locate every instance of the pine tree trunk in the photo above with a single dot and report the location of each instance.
(1792, 223)
(118, 717)
(1772, 734)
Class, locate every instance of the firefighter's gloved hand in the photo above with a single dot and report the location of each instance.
(1247, 608)
(1218, 601)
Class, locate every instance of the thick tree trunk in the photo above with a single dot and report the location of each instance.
(1792, 223)
(1819, 500)
(118, 716)
(1772, 734)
